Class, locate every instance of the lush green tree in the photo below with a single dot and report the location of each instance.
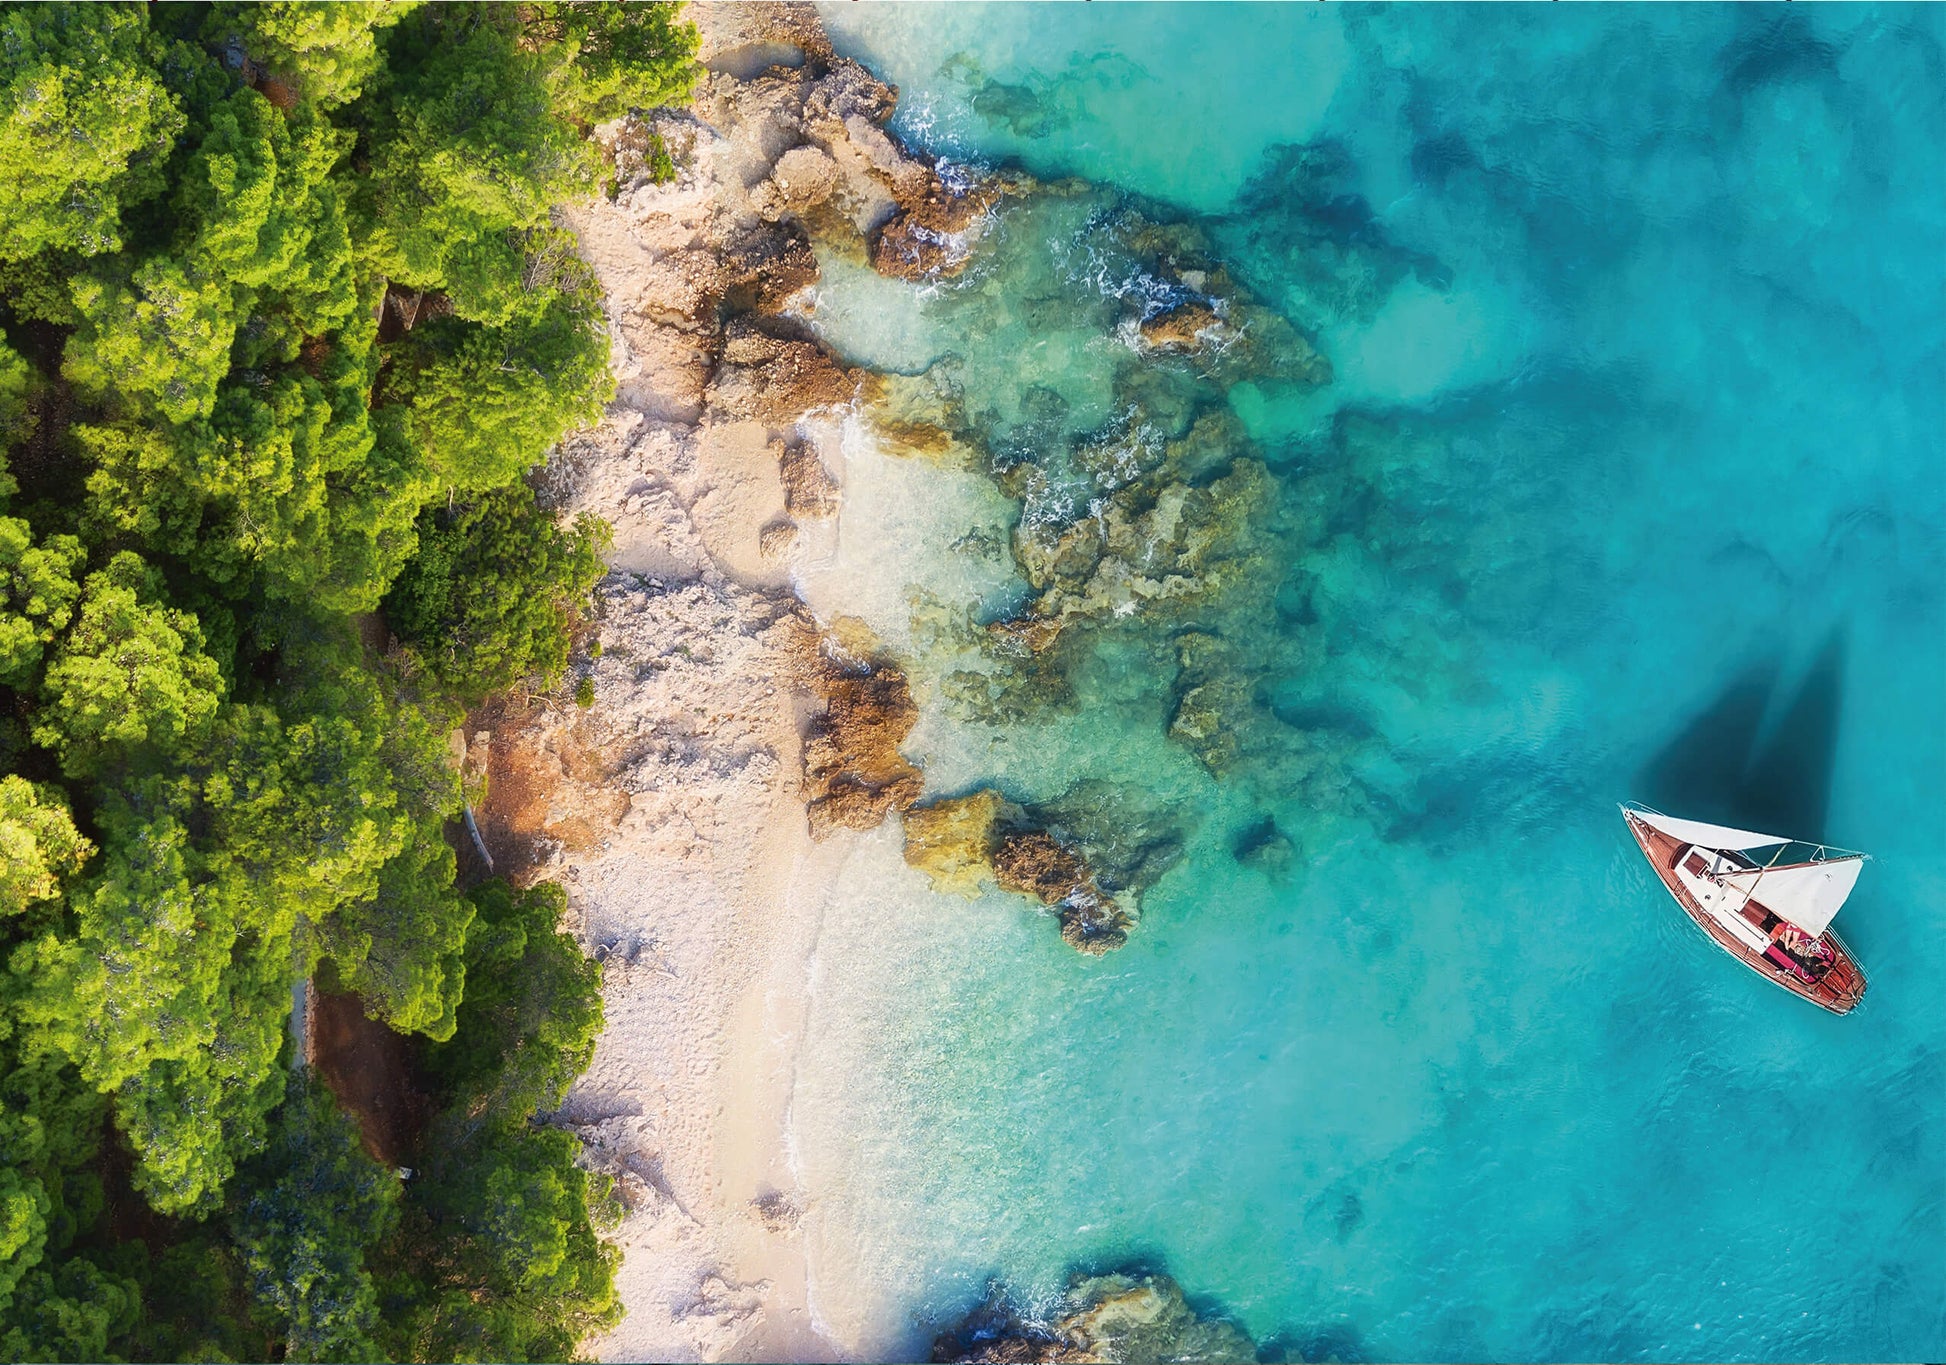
(494, 592)
(133, 984)
(154, 341)
(403, 949)
(49, 1131)
(37, 596)
(486, 403)
(39, 845)
(129, 671)
(373, 525)
(85, 123)
(468, 156)
(261, 193)
(498, 1256)
(305, 1212)
(244, 465)
(325, 53)
(532, 1013)
(17, 385)
(73, 1311)
(625, 56)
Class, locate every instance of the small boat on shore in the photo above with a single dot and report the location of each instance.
(1773, 916)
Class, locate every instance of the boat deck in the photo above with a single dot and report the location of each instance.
(1838, 990)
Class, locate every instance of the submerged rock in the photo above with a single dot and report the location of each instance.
(1181, 543)
(953, 840)
(963, 842)
(1037, 864)
(1187, 327)
(1264, 845)
(809, 490)
(1101, 1320)
(1213, 699)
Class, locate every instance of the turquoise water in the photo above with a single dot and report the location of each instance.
(1628, 481)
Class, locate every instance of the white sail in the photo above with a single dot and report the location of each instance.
(1806, 894)
(1709, 836)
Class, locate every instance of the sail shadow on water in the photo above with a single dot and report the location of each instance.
(1715, 769)
(1789, 778)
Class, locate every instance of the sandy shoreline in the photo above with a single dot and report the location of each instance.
(674, 808)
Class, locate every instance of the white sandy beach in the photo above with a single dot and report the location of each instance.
(673, 807)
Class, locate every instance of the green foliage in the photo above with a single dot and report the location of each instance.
(486, 402)
(156, 342)
(662, 168)
(39, 845)
(48, 1129)
(37, 596)
(326, 53)
(403, 948)
(85, 122)
(498, 1257)
(584, 692)
(17, 385)
(468, 156)
(532, 1013)
(304, 1214)
(71, 1312)
(131, 671)
(220, 463)
(626, 56)
(261, 194)
(491, 598)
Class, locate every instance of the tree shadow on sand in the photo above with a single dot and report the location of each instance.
(1716, 769)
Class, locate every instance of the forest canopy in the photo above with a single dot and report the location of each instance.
(287, 320)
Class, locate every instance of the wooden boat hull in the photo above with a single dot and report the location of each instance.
(1839, 990)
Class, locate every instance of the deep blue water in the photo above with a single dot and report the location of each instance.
(1629, 482)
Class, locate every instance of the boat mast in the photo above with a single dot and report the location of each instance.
(1750, 892)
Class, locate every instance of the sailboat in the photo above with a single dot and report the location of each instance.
(1773, 916)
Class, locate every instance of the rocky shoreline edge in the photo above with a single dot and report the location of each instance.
(715, 735)
(713, 731)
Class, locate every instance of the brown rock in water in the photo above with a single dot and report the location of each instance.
(776, 380)
(931, 236)
(1031, 633)
(926, 239)
(776, 541)
(915, 440)
(853, 770)
(808, 490)
(953, 840)
(1101, 1320)
(1186, 327)
(1037, 864)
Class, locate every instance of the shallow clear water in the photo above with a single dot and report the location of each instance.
(1629, 482)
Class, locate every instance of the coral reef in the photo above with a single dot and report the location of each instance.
(1101, 1320)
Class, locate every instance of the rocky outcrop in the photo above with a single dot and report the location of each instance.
(854, 774)
(1188, 326)
(1147, 546)
(775, 380)
(1212, 691)
(1037, 864)
(1101, 1320)
(964, 842)
(953, 840)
